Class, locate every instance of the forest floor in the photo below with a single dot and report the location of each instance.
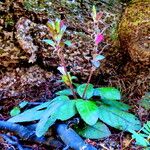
(29, 72)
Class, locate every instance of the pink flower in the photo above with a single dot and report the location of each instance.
(99, 38)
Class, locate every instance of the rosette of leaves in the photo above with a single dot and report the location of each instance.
(99, 107)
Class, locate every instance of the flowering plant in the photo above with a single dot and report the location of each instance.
(95, 106)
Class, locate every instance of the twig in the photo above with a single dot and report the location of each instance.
(103, 146)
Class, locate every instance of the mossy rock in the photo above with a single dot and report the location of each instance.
(134, 31)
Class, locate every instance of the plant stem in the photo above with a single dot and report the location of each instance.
(94, 52)
(61, 57)
(87, 84)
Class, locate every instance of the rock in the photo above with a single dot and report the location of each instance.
(134, 31)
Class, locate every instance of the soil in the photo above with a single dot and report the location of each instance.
(29, 67)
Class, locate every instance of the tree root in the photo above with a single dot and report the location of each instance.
(68, 136)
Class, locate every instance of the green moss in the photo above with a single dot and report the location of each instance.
(9, 22)
(135, 14)
(133, 30)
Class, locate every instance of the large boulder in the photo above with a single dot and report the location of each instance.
(134, 31)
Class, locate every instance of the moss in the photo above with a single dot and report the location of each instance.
(9, 22)
(133, 30)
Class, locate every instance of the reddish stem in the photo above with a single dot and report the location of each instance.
(87, 84)
(61, 57)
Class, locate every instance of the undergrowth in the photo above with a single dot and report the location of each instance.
(96, 107)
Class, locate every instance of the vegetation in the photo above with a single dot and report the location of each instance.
(82, 113)
(143, 136)
(95, 106)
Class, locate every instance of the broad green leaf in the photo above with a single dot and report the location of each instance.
(88, 111)
(118, 119)
(36, 112)
(108, 93)
(68, 43)
(97, 131)
(15, 111)
(64, 92)
(23, 104)
(66, 111)
(30, 114)
(49, 117)
(89, 91)
(41, 130)
(50, 42)
(118, 105)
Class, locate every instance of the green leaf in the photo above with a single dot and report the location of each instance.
(76, 85)
(99, 57)
(64, 113)
(145, 101)
(118, 119)
(66, 80)
(51, 25)
(49, 117)
(118, 105)
(94, 13)
(68, 43)
(63, 29)
(23, 104)
(58, 37)
(97, 131)
(30, 114)
(36, 112)
(96, 64)
(88, 111)
(89, 91)
(139, 139)
(57, 25)
(50, 42)
(43, 126)
(142, 138)
(15, 111)
(108, 93)
(64, 92)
